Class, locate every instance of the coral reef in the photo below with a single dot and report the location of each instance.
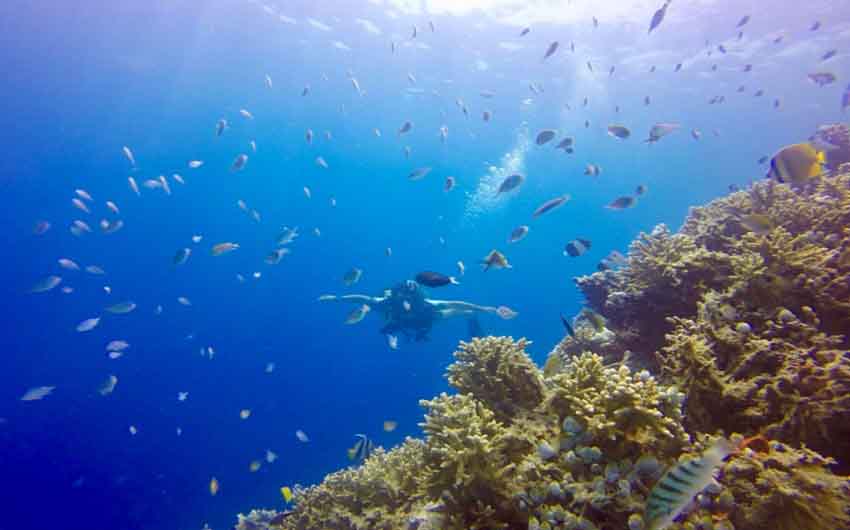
(749, 322)
(838, 136)
(735, 324)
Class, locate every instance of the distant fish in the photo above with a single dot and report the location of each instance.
(195, 164)
(182, 256)
(506, 313)
(320, 162)
(435, 279)
(244, 414)
(276, 255)
(80, 205)
(660, 130)
(815, 26)
(619, 131)
(577, 247)
(449, 184)
(678, 67)
(593, 170)
(418, 173)
(696, 134)
(743, 22)
(112, 207)
(567, 326)
(595, 22)
(544, 136)
(822, 79)
(566, 144)
(357, 314)
(392, 342)
(214, 486)
(589, 67)
(511, 182)
(845, 99)
(748, 68)
(129, 155)
(285, 491)
(246, 114)
(640, 189)
(763, 159)
(658, 17)
(646, 101)
(224, 248)
(461, 268)
(405, 128)
(182, 300)
(518, 234)
(550, 50)
(117, 345)
(495, 259)
(268, 81)
(68, 264)
(721, 49)
(681, 483)
(37, 393)
(362, 449)
(88, 324)
(305, 91)
(121, 308)
(550, 205)
(41, 227)
(239, 162)
(621, 203)
(287, 236)
(524, 32)
(46, 284)
(352, 276)
(108, 386)
(828, 55)
(220, 127)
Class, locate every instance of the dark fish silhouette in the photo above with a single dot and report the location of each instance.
(658, 17)
(551, 50)
(435, 279)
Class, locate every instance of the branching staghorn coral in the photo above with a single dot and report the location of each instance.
(376, 495)
(497, 371)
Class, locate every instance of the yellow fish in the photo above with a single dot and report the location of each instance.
(796, 164)
(287, 493)
(254, 466)
(213, 486)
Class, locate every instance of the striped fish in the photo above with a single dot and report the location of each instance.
(682, 482)
(363, 447)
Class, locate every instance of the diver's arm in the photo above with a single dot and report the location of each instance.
(352, 298)
(459, 307)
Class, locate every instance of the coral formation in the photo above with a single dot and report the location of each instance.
(750, 324)
(741, 314)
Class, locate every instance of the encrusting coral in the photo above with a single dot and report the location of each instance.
(742, 315)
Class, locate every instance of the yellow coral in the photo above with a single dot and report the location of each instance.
(497, 371)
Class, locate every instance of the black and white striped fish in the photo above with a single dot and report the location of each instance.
(363, 447)
(682, 482)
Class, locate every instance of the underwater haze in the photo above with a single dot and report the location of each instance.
(351, 115)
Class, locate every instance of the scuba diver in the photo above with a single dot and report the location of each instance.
(406, 310)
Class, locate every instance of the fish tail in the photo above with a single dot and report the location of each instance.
(453, 280)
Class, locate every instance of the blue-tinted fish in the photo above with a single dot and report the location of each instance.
(822, 79)
(621, 203)
(551, 50)
(658, 17)
(721, 49)
(684, 481)
(829, 55)
(544, 136)
(845, 99)
(435, 279)
(363, 447)
(524, 32)
(678, 67)
(815, 26)
(550, 205)
(567, 326)
(577, 247)
(511, 182)
(743, 21)
(220, 127)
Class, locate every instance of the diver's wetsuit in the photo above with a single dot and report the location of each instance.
(414, 321)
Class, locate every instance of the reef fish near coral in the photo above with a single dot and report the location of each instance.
(796, 164)
(362, 448)
(674, 492)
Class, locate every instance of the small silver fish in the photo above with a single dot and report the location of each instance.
(239, 162)
(358, 314)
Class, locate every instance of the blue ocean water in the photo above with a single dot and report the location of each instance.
(82, 80)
